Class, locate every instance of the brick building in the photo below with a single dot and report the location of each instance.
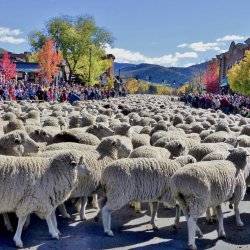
(226, 60)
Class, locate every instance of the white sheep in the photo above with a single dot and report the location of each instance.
(30, 185)
(201, 185)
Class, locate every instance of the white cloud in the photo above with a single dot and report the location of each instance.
(229, 38)
(183, 45)
(12, 36)
(127, 56)
(201, 46)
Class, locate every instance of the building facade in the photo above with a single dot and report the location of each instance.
(234, 55)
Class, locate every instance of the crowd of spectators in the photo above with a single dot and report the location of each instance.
(227, 103)
(60, 92)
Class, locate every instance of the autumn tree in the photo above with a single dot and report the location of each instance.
(132, 85)
(49, 59)
(211, 77)
(81, 42)
(7, 67)
(239, 76)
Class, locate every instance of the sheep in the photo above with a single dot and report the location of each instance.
(76, 135)
(69, 146)
(150, 152)
(244, 141)
(138, 179)
(51, 121)
(201, 185)
(13, 125)
(34, 182)
(175, 147)
(140, 140)
(220, 136)
(100, 131)
(245, 130)
(203, 149)
(17, 143)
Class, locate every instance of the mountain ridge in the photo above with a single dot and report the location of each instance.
(173, 76)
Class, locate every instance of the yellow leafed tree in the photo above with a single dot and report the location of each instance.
(239, 76)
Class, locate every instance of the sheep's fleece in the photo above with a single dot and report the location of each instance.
(133, 146)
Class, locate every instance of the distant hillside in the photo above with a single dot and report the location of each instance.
(174, 76)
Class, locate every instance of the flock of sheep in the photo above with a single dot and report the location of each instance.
(142, 148)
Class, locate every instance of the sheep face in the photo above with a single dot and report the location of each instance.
(239, 157)
(29, 145)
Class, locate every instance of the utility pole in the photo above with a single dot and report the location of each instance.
(90, 63)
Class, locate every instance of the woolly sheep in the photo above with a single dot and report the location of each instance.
(150, 152)
(201, 185)
(203, 149)
(13, 125)
(76, 135)
(139, 179)
(35, 182)
(100, 130)
(17, 143)
(175, 147)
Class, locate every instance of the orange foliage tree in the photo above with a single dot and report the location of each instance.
(49, 60)
(7, 68)
(211, 77)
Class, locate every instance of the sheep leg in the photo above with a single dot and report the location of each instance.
(154, 209)
(7, 222)
(17, 237)
(106, 220)
(54, 220)
(198, 230)
(101, 203)
(221, 231)
(191, 233)
(51, 227)
(95, 201)
(84, 201)
(137, 206)
(177, 216)
(63, 211)
(151, 208)
(239, 222)
(27, 222)
(209, 216)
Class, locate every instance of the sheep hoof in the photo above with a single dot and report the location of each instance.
(240, 224)
(109, 233)
(66, 216)
(56, 236)
(192, 247)
(199, 235)
(83, 218)
(155, 228)
(222, 236)
(18, 243)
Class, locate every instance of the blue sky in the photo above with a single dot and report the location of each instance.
(165, 32)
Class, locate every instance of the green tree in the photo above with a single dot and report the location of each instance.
(239, 76)
(81, 43)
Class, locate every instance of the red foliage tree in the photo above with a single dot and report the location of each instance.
(7, 68)
(49, 59)
(211, 77)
